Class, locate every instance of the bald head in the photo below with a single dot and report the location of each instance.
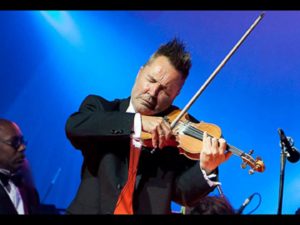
(4, 122)
(7, 125)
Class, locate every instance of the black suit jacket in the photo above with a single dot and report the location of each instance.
(101, 130)
(30, 199)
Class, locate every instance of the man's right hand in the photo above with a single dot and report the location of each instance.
(160, 130)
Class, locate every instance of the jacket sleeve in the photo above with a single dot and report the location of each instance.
(98, 120)
(190, 186)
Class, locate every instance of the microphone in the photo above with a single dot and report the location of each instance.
(246, 202)
(287, 142)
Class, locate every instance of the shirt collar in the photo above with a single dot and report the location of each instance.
(130, 108)
(6, 172)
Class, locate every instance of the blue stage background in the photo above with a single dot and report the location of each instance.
(51, 60)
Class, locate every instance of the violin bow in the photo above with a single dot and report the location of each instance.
(215, 72)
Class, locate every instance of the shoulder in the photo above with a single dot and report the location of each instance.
(96, 101)
(93, 97)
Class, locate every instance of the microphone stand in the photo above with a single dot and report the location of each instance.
(283, 156)
(51, 185)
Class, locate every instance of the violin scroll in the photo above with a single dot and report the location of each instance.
(255, 164)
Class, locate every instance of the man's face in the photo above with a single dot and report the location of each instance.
(11, 147)
(156, 86)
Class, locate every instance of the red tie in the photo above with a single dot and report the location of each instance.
(124, 204)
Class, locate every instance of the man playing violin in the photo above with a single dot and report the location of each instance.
(108, 132)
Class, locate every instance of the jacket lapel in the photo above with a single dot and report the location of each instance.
(124, 104)
(22, 191)
(6, 205)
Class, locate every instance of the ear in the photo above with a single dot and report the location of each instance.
(178, 92)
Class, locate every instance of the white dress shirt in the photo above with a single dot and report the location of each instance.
(14, 194)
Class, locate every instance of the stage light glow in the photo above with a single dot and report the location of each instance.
(63, 23)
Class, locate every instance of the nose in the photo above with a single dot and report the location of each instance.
(22, 147)
(154, 89)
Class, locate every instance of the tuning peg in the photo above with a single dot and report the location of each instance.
(251, 152)
(244, 165)
(251, 171)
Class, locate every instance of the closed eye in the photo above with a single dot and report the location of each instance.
(151, 79)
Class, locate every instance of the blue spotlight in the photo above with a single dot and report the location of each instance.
(63, 23)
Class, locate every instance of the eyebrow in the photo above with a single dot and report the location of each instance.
(152, 78)
(15, 137)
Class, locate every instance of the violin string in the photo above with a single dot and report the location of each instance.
(200, 133)
(194, 132)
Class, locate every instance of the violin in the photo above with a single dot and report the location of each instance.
(189, 135)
